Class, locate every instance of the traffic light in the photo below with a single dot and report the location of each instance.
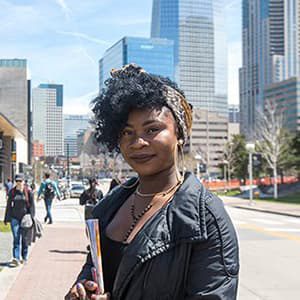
(202, 168)
(257, 160)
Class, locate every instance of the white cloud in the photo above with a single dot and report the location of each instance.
(234, 63)
(85, 37)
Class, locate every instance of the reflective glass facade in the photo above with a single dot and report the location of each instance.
(270, 53)
(200, 56)
(73, 125)
(156, 56)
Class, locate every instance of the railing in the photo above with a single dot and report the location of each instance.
(236, 183)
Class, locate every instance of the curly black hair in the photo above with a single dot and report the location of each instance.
(129, 88)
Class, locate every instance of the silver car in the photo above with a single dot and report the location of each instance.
(76, 190)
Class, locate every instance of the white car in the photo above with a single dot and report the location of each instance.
(76, 190)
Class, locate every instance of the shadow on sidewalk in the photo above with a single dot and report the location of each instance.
(7, 264)
(68, 252)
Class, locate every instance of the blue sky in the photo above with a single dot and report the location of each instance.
(63, 40)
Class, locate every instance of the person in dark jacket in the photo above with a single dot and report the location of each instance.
(163, 235)
(20, 202)
(90, 197)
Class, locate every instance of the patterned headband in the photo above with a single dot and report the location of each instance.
(182, 111)
(175, 101)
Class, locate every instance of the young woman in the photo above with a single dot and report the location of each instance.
(20, 202)
(163, 235)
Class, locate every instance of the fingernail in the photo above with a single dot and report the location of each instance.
(80, 289)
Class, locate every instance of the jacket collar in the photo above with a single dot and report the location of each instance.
(182, 220)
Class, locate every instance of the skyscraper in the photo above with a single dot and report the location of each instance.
(14, 117)
(73, 125)
(154, 55)
(271, 52)
(47, 112)
(200, 56)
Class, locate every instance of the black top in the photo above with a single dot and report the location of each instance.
(17, 206)
(112, 253)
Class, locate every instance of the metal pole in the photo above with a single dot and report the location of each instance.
(198, 170)
(225, 176)
(250, 178)
(68, 165)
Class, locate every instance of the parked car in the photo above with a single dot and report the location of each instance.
(76, 190)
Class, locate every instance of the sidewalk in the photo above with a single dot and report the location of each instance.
(285, 209)
(56, 259)
(53, 264)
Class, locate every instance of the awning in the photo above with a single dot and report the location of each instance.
(8, 128)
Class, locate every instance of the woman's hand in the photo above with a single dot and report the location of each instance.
(85, 290)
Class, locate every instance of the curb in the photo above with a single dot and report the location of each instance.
(266, 211)
(8, 275)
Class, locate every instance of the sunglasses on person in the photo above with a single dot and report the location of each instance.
(19, 180)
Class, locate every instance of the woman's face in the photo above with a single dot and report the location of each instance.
(148, 142)
(19, 184)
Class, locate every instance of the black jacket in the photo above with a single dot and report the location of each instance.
(187, 250)
(17, 205)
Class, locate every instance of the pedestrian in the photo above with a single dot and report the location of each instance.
(90, 197)
(20, 203)
(49, 190)
(8, 186)
(163, 235)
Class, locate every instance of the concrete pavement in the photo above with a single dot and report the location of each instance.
(56, 258)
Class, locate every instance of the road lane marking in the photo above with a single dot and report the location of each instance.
(284, 229)
(272, 233)
(293, 221)
(268, 222)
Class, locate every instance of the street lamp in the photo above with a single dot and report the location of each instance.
(250, 148)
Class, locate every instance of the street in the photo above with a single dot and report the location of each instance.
(269, 255)
(269, 249)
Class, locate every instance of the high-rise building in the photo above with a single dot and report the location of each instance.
(47, 112)
(200, 56)
(73, 125)
(234, 113)
(154, 55)
(286, 95)
(271, 52)
(15, 131)
(208, 138)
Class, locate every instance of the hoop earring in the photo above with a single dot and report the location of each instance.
(180, 172)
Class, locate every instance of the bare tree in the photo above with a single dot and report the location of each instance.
(272, 140)
(228, 157)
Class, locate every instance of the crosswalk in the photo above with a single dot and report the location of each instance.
(264, 222)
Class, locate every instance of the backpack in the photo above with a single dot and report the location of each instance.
(49, 190)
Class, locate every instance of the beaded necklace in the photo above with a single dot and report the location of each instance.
(147, 208)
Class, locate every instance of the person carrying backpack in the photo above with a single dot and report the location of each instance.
(49, 190)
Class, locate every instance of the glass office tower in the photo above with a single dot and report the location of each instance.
(73, 126)
(197, 28)
(154, 55)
